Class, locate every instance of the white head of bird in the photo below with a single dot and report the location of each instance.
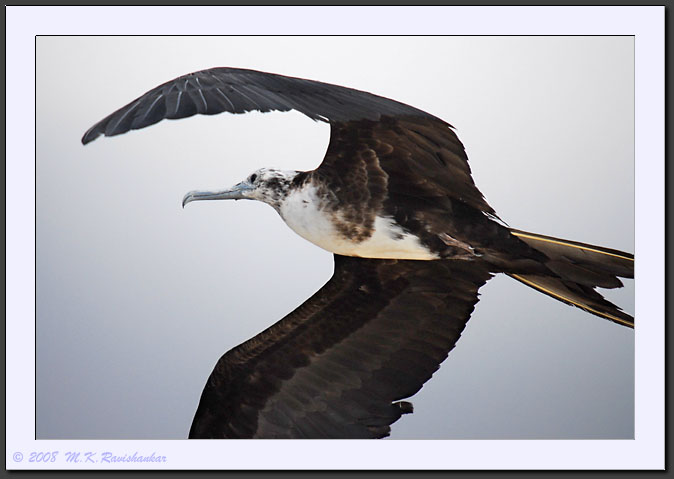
(268, 185)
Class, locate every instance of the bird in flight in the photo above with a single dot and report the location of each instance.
(413, 241)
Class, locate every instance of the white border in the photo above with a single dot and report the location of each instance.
(646, 23)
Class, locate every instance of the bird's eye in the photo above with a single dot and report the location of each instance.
(252, 178)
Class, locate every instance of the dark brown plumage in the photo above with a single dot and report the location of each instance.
(336, 366)
(339, 364)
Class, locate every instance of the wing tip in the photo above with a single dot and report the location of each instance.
(90, 136)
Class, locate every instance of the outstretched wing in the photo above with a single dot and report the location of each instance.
(236, 90)
(419, 152)
(338, 365)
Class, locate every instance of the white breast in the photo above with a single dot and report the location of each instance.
(305, 213)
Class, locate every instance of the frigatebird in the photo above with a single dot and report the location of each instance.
(413, 241)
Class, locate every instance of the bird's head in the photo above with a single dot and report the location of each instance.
(266, 184)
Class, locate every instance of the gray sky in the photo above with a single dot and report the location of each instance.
(137, 298)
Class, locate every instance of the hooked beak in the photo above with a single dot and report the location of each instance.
(236, 192)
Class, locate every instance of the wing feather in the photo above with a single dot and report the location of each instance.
(243, 91)
(420, 153)
(334, 367)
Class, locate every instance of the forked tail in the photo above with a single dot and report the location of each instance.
(580, 268)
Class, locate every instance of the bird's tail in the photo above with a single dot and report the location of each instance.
(579, 268)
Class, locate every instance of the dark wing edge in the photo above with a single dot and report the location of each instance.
(236, 90)
(340, 364)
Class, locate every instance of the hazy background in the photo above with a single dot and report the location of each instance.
(137, 298)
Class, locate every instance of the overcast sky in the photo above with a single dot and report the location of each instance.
(138, 298)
